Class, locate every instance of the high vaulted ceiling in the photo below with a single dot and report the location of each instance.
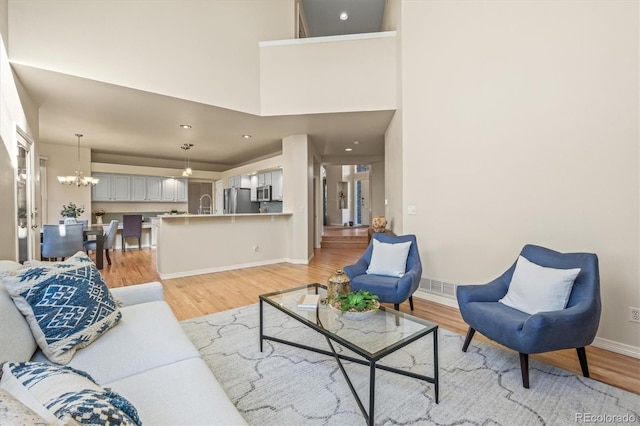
(129, 126)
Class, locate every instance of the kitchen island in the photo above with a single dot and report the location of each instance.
(199, 244)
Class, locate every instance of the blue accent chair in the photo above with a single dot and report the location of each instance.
(108, 240)
(572, 327)
(60, 241)
(388, 289)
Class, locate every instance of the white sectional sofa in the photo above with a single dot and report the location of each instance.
(146, 358)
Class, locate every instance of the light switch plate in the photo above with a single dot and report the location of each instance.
(411, 209)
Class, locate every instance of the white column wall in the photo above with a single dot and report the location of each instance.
(521, 125)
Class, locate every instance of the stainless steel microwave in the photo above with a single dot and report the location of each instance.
(264, 193)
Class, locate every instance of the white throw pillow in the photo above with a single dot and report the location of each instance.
(536, 288)
(389, 259)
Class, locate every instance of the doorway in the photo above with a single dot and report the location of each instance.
(26, 212)
(362, 202)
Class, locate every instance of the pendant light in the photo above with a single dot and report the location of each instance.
(78, 180)
(187, 166)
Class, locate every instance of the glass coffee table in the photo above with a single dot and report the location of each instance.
(372, 339)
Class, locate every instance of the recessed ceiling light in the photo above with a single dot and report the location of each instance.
(185, 126)
(246, 136)
(348, 149)
(344, 16)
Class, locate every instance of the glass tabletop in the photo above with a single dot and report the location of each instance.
(374, 337)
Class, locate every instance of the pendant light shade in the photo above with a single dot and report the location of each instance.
(187, 167)
(78, 179)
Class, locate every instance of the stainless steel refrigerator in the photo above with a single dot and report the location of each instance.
(238, 200)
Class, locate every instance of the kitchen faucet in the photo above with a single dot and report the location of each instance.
(201, 209)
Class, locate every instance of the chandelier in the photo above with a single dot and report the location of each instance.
(187, 167)
(78, 180)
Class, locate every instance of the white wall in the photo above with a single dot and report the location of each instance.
(376, 185)
(520, 125)
(191, 245)
(16, 109)
(62, 160)
(90, 35)
(298, 158)
(322, 74)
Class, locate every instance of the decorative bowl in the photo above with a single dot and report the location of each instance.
(355, 315)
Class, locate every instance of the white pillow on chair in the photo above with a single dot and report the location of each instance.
(389, 259)
(536, 288)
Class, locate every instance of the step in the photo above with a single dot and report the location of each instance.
(346, 242)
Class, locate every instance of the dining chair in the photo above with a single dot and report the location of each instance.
(131, 227)
(61, 241)
(109, 238)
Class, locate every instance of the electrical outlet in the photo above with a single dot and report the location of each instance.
(634, 314)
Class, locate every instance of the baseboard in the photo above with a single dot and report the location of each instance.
(421, 294)
(220, 269)
(619, 348)
(609, 345)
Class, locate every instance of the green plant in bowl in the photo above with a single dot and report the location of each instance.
(356, 301)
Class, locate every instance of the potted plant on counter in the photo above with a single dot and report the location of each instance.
(71, 212)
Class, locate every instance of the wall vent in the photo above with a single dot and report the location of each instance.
(440, 288)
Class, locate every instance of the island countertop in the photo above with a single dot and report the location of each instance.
(178, 216)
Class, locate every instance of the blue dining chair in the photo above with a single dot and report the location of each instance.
(61, 241)
(389, 289)
(575, 326)
(108, 240)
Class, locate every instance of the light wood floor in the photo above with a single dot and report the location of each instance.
(204, 294)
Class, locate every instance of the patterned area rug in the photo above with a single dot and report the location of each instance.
(284, 385)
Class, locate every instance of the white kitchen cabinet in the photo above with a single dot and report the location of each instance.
(174, 190)
(240, 181)
(121, 188)
(154, 188)
(181, 190)
(102, 190)
(276, 185)
(138, 188)
(264, 179)
(134, 188)
(168, 189)
(112, 188)
(254, 187)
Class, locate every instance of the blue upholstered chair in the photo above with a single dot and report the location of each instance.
(61, 241)
(572, 327)
(389, 289)
(108, 240)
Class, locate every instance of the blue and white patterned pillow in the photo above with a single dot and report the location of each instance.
(67, 304)
(62, 394)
